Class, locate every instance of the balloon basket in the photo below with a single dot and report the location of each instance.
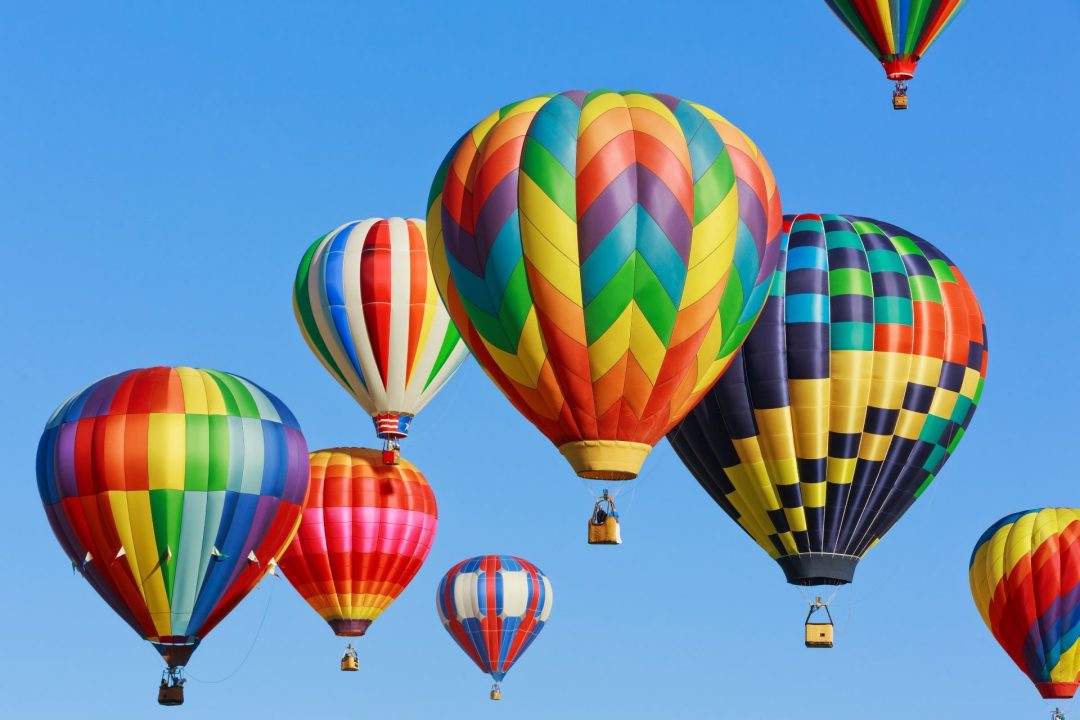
(349, 661)
(171, 689)
(496, 693)
(604, 522)
(819, 634)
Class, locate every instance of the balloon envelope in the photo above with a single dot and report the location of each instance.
(1025, 579)
(899, 32)
(604, 255)
(174, 489)
(366, 305)
(852, 391)
(366, 530)
(494, 606)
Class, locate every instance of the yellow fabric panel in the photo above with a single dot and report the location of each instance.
(909, 424)
(653, 117)
(705, 254)
(943, 403)
(813, 494)
(524, 366)
(706, 357)
(646, 347)
(970, 384)
(849, 389)
(748, 450)
(165, 451)
(610, 347)
(1018, 542)
(549, 239)
(890, 373)
(788, 541)
(796, 519)
(810, 416)
(782, 471)
(885, 13)
(874, 447)
(134, 523)
(840, 471)
(925, 370)
(191, 384)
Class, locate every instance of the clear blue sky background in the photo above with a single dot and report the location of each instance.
(163, 168)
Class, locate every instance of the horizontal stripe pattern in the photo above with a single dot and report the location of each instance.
(1025, 580)
(366, 530)
(604, 255)
(170, 480)
(852, 391)
(494, 606)
(367, 307)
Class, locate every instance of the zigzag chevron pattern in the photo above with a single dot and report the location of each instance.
(367, 307)
(1025, 580)
(604, 255)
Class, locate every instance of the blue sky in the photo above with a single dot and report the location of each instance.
(162, 170)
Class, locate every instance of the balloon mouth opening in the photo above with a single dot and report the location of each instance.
(902, 69)
(176, 652)
(1057, 690)
(606, 459)
(349, 628)
(818, 568)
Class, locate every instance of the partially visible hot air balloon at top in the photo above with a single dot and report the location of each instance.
(366, 304)
(1025, 579)
(853, 389)
(604, 255)
(366, 530)
(173, 491)
(897, 32)
(494, 606)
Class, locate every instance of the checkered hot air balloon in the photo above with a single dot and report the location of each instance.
(366, 531)
(173, 491)
(1025, 580)
(366, 304)
(604, 255)
(898, 32)
(853, 389)
(494, 606)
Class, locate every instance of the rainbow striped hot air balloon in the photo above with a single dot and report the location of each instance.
(173, 490)
(366, 531)
(1025, 580)
(494, 606)
(604, 255)
(897, 32)
(368, 309)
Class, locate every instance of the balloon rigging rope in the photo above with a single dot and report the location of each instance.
(254, 640)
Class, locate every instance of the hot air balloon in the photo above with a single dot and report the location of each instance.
(494, 606)
(366, 305)
(1025, 579)
(604, 255)
(366, 530)
(898, 33)
(853, 389)
(173, 491)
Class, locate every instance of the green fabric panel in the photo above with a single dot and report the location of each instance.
(917, 10)
(197, 452)
(188, 560)
(653, 301)
(851, 336)
(905, 245)
(889, 309)
(439, 183)
(842, 239)
(245, 403)
(714, 186)
(855, 24)
(942, 270)
(732, 342)
(933, 429)
(549, 174)
(609, 304)
(731, 305)
(924, 289)
(934, 459)
(166, 509)
(865, 227)
(504, 331)
(979, 390)
(231, 405)
(960, 410)
(956, 440)
(850, 281)
(301, 297)
(922, 488)
(218, 452)
(449, 342)
(885, 261)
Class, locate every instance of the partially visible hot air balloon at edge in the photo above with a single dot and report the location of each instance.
(366, 530)
(898, 33)
(604, 255)
(852, 391)
(494, 606)
(173, 491)
(366, 305)
(1025, 580)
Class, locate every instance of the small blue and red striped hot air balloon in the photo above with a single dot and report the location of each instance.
(173, 491)
(1025, 580)
(494, 606)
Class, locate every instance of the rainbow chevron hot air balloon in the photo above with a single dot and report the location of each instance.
(1025, 580)
(366, 531)
(604, 255)
(173, 490)
(368, 309)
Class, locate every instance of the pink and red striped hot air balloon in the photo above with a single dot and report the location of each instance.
(366, 530)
